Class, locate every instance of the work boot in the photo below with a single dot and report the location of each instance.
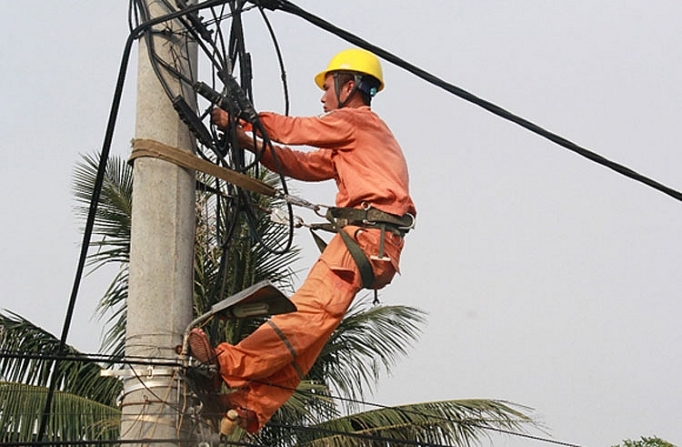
(201, 348)
(245, 419)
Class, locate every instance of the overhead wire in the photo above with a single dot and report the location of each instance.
(291, 8)
(91, 357)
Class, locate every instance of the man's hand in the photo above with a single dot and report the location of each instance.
(220, 118)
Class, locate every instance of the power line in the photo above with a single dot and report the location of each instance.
(89, 226)
(289, 7)
(177, 441)
(102, 358)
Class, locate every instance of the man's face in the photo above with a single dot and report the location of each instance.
(329, 100)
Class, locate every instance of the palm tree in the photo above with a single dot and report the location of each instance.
(367, 343)
(84, 406)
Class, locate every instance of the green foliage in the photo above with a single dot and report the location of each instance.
(456, 422)
(111, 237)
(369, 341)
(72, 417)
(84, 406)
(645, 442)
(32, 344)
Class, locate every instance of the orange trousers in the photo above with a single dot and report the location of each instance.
(266, 367)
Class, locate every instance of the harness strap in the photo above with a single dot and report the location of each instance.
(359, 256)
(364, 218)
(371, 217)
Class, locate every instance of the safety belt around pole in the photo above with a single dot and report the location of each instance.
(156, 149)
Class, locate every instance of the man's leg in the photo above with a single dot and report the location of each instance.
(269, 364)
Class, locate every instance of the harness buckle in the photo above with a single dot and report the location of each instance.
(413, 221)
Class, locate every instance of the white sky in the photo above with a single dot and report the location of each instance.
(549, 281)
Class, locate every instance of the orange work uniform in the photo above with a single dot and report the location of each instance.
(358, 151)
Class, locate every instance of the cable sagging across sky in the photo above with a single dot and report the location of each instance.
(291, 8)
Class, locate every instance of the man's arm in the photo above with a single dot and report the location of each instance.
(306, 166)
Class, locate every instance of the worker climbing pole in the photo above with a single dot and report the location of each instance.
(372, 214)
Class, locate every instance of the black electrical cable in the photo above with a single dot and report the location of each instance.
(289, 7)
(280, 60)
(374, 438)
(97, 188)
(158, 62)
(243, 202)
(237, 53)
(101, 358)
(141, 441)
(219, 37)
(243, 95)
(154, 60)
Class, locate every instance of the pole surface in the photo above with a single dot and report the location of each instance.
(162, 249)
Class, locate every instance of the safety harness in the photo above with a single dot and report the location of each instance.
(364, 217)
(369, 218)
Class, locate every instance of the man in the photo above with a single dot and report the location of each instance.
(358, 151)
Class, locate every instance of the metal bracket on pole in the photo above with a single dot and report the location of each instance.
(259, 300)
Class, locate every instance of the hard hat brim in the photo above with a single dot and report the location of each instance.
(321, 76)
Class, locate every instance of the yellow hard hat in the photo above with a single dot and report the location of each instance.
(353, 59)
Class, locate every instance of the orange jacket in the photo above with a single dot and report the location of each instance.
(356, 149)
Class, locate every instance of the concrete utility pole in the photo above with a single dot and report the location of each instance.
(162, 248)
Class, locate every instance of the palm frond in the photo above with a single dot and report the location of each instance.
(30, 354)
(454, 422)
(113, 217)
(112, 226)
(72, 417)
(368, 341)
(113, 305)
(309, 405)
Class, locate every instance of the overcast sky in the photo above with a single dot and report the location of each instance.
(549, 281)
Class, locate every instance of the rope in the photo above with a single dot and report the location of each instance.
(155, 149)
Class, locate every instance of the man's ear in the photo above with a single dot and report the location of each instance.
(350, 85)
